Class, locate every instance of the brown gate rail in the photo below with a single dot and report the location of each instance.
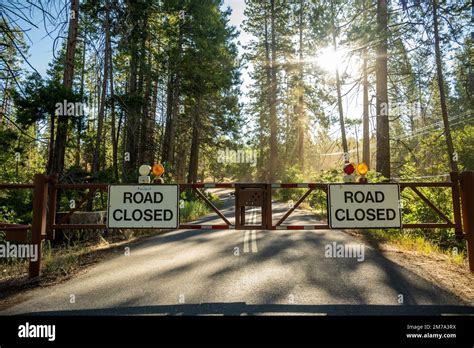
(45, 192)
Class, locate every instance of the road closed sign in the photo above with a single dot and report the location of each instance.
(143, 206)
(364, 206)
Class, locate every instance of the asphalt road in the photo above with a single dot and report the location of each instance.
(191, 272)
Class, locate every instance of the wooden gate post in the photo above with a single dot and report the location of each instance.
(456, 198)
(52, 201)
(467, 199)
(268, 207)
(38, 228)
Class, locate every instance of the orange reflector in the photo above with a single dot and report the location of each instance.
(158, 169)
(362, 169)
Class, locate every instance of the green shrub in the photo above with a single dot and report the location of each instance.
(191, 210)
(193, 207)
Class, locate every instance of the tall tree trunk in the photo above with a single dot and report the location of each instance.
(195, 143)
(52, 126)
(345, 147)
(442, 95)
(79, 117)
(160, 131)
(100, 121)
(365, 107)
(132, 116)
(68, 77)
(181, 165)
(113, 132)
(365, 116)
(151, 127)
(142, 72)
(146, 145)
(165, 155)
(273, 99)
(263, 140)
(3, 110)
(169, 141)
(383, 126)
(301, 112)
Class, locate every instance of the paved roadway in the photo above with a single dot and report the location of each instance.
(231, 272)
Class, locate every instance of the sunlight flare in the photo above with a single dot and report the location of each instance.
(328, 60)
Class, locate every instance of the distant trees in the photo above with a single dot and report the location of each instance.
(160, 81)
(391, 89)
(280, 99)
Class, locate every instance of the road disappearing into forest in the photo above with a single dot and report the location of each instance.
(244, 272)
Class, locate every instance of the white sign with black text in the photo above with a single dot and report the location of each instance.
(364, 206)
(143, 206)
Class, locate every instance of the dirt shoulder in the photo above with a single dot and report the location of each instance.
(435, 267)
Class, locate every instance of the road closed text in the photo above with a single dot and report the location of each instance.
(143, 206)
(370, 214)
(145, 215)
(361, 214)
(364, 205)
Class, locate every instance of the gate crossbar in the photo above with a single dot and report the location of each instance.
(311, 187)
(196, 187)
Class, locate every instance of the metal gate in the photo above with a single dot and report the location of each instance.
(256, 195)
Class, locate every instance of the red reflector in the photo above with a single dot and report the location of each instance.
(349, 168)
